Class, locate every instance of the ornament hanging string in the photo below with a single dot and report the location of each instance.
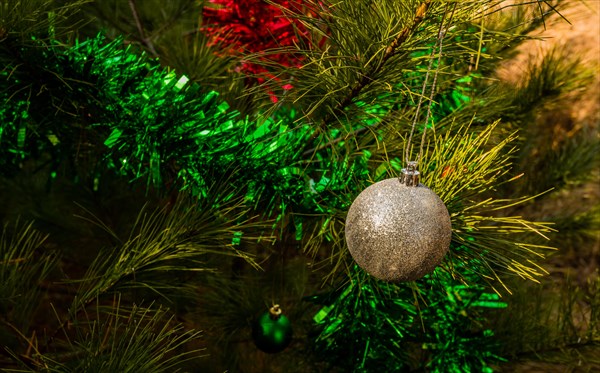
(439, 44)
(409, 245)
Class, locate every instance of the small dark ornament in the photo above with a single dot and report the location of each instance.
(272, 331)
(398, 229)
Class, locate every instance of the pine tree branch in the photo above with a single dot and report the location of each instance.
(367, 78)
(390, 51)
(146, 41)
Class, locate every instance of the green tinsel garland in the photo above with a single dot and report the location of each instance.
(369, 325)
(144, 122)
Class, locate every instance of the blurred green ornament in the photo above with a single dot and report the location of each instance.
(272, 331)
(398, 229)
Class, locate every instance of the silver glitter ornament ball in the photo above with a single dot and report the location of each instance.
(398, 229)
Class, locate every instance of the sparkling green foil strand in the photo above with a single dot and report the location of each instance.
(368, 325)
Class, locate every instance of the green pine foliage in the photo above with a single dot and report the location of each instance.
(22, 271)
(171, 200)
(564, 331)
(114, 339)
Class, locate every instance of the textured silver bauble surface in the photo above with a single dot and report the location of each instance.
(397, 232)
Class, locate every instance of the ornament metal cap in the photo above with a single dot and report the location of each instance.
(275, 312)
(410, 175)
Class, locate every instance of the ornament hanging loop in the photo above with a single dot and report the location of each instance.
(410, 175)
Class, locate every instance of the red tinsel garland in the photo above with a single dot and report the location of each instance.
(254, 26)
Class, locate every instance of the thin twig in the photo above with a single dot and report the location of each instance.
(147, 42)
